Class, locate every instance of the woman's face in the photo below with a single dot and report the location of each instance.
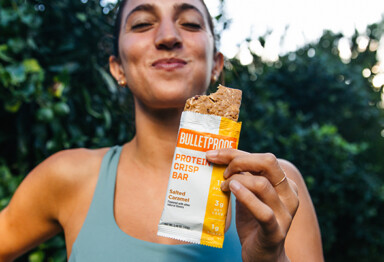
(166, 51)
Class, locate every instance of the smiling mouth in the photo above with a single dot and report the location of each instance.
(169, 64)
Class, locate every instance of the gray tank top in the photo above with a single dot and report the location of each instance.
(100, 238)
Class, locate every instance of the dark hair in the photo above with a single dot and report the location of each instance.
(119, 18)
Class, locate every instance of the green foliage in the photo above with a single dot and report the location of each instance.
(324, 116)
(316, 111)
(55, 92)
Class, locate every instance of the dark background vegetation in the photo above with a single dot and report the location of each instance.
(308, 107)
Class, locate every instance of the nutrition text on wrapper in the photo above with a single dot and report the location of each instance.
(195, 208)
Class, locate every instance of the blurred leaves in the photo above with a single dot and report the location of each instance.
(321, 114)
(55, 90)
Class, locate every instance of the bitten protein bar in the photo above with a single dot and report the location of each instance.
(195, 208)
(224, 102)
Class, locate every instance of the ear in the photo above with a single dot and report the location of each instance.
(116, 69)
(218, 65)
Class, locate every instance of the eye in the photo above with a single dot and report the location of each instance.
(141, 26)
(192, 26)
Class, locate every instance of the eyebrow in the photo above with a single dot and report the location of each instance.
(142, 7)
(185, 7)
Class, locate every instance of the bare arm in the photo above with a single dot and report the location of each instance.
(29, 219)
(40, 202)
(275, 218)
(303, 242)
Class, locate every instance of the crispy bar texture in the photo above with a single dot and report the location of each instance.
(224, 102)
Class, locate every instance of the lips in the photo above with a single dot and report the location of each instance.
(169, 64)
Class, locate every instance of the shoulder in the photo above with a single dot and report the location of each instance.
(65, 176)
(304, 228)
(75, 156)
(71, 163)
(292, 172)
(69, 166)
(47, 197)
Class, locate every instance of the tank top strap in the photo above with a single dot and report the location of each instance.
(100, 216)
(103, 198)
(100, 238)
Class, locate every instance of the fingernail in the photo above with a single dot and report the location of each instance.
(211, 153)
(234, 186)
(225, 173)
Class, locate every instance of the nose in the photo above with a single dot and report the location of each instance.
(168, 36)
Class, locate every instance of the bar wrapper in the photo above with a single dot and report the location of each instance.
(195, 208)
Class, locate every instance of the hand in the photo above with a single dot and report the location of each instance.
(266, 202)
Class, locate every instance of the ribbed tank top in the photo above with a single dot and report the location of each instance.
(100, 238)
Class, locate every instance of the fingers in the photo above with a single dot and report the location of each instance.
(259, 196)
(257, 167)
(264, 214)
(223, 156)
(257, 164)
(268, 199)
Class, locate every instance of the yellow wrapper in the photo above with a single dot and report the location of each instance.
(195, 208)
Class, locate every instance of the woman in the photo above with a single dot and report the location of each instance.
(108, 202)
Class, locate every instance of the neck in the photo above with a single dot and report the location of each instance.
(156, 135)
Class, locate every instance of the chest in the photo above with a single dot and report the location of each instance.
(138, 204)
